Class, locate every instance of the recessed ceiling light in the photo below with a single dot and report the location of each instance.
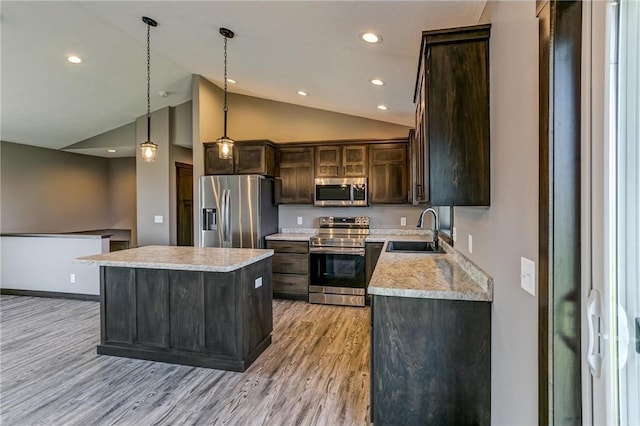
(74, 59)
(112, 150)
(232, 81)
(377, 82)
(383, 107)
(371, 37)
(302, 93)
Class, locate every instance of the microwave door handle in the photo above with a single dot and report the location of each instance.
(351, 194)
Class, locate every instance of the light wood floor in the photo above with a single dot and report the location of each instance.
(316, 372)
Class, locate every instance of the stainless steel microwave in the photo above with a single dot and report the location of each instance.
(340, 192)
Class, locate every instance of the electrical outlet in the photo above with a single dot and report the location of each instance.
(470, 243)
(528, 275)
(72, 278)
(403, 221)
(299, 220)
(453, 234)
(258, 282)
(158, 219)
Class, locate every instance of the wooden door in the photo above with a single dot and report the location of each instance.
(184, 204)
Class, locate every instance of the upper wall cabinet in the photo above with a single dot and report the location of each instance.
(450, 148)
(388, 174)
(249, 157)
(341, 161)
(294, 184)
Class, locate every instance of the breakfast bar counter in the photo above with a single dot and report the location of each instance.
(206, 307)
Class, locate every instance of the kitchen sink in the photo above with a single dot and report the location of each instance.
(413, 247)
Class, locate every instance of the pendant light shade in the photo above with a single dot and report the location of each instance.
(148, 149)
(225, 143)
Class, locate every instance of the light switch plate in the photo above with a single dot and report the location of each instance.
(403, 221)
(258, 282)
(528, 275)
(157, 219)
(299, 220)
(470, 243)
(72, 278)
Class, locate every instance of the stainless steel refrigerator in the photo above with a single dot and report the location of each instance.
(237, 211)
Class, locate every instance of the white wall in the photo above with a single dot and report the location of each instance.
(44, 263)
(509, 228)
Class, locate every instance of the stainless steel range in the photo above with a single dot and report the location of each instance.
(337, 267)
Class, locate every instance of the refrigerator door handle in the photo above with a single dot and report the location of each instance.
(227, 216)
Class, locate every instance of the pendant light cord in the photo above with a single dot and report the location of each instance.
(148, 82)
(225, 87)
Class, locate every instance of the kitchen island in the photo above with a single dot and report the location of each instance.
(206, 307)
(430, 339)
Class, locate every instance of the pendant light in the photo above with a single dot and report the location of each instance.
(148, 148)
(225, 143)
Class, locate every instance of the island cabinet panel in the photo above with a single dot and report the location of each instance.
(431, 361)
(186, 299)
(119, 317)
(152, 306)
(221, 325)
(206, 319)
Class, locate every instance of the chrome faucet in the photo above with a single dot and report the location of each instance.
(436, 225)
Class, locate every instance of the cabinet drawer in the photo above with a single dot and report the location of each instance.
(291, 284)
(288, 246)
(291, 263)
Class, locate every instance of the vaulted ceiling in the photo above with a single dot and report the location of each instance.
(280, 47)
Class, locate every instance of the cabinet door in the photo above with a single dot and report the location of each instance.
(295, 176)
(388, 174)
(419, 144)
(328, 162)
(458, 123)
(354, 160)
(254, 159)
(213, 165)
(372, 253)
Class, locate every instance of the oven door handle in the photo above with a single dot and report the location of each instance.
(337, 250)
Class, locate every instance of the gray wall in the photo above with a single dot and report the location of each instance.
(45, 190)
(152, 181)
(381, 217)
(122, 195)
(509, 228)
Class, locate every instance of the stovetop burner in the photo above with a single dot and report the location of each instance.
(341, 232)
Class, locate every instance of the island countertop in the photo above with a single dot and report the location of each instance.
(430, 276)
(207, 259)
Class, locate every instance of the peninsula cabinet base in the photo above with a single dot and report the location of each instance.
(219, 320)
(431, 361)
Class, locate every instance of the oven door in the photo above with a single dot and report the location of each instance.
(341, 268)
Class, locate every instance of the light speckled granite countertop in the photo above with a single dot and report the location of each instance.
(207, 259)
(291, 236)
(431, 276)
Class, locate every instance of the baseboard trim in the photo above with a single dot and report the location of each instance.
(50, 294)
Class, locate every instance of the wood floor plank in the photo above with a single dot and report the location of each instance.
(316, 372)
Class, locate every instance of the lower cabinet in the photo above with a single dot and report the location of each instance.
(290, 269)
(431, 361)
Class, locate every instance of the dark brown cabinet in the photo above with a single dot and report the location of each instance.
(290, 269)
(249, 157)
(388, 173)
(451, 145)
(294, 184)
(341, 161)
